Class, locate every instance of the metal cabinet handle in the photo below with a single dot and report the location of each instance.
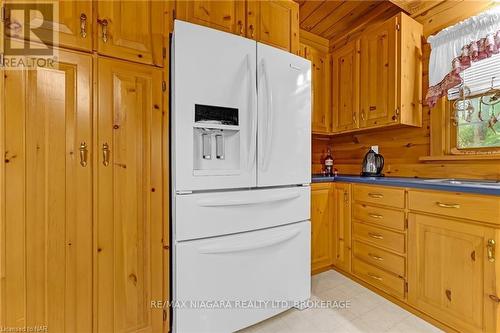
(346, 198)
(105, 154)
(448, 294)
(375, 195)
(362, 114)
(494, 298)
(376, 216)
(491, 250)
(104, 27)
(373, 276)
(447, 205)
(354, 118)
(251, 30)
(373, 256)
(83, 154)
(240, 24)
(376, 236)
(83, 25)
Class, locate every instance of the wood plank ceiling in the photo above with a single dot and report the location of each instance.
(333, 19)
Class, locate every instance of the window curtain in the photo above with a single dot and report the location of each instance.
(455, 48)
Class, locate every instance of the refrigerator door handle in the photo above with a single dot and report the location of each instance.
(249, 246)
(252, 95)
(246, 202)
(269, 118)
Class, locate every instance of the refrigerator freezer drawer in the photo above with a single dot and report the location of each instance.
(203, 215)
(231, 271)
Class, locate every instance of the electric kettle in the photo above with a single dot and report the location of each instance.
(373, 163)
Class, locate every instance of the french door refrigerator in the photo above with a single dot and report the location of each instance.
(241, 168)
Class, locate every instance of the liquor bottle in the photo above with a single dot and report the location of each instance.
(329, 163)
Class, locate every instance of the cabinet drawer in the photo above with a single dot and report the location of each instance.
(380, 258)
(394, 197)
(380, 216)
(467, 206)
(385, 238)
(388, 282)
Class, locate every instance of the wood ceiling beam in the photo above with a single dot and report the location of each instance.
(416, 7)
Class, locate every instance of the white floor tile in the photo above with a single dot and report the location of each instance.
(368, 312)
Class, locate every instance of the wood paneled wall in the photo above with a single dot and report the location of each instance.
(403, 147)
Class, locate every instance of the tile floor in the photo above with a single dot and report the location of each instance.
(368, 312)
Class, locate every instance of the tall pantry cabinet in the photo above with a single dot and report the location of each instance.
(84, 206)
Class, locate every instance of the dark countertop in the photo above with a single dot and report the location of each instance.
(424, 183)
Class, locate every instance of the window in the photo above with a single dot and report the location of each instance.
(475, 106)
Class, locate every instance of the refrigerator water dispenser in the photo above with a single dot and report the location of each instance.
(216, 141)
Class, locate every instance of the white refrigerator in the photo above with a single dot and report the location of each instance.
(241, 170)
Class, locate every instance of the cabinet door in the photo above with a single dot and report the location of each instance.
(72, 22)
(342, 226)
(227, 16)
(47, 196)
(378, 74)
(128, 197)
(345, 87)
(450, 276)
(131, 30)
(274, 22)
(320, 87)
(320, 227)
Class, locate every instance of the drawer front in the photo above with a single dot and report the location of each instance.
(393, 197)
(462, 205)
(380, 216)
(380, 258)
(388, 282)
(381, 237)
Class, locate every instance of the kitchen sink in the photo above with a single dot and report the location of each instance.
(453, 181)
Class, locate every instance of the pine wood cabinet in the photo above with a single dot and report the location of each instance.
(129, 197)
(321, 226)
(131, 30)
(341, 245)
(46, 192)
(227, 16)
(273, 22)
(382, 87)
(320, 106)
(452, 268)
(345, 87)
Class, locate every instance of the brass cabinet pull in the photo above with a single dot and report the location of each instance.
(447, 205)
(251, 30)
(491, 250)
(375, 195)
(373, 256)
(83, 154)
(354, 118)
(448, 294)
(362, 114)
(494, 298)
(105, 154)
(346, 198)
(104, 27)
(376, 236)
(375, 216)
(240, 24)
(83, 25)
(373, 276)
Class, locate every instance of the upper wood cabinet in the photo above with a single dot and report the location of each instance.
(274, 22)
(341, 243)
(227, 15)
(73, 25)
(46, 195)
(345, 87)
(387, 75)
(131, 30)
(452, 268)
(129, 197)
(321, 227)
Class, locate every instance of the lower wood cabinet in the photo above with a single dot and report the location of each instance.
(452, 267)
(82, 196)
(321, 226)
(341, 245)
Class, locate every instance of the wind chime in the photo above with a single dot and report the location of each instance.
(463, 106)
